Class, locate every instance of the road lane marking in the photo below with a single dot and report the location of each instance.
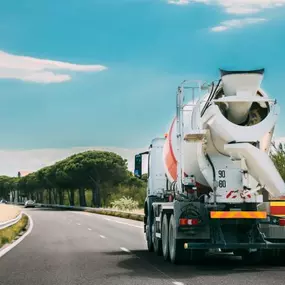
(113, 220)
(172, 280)
(123, 223)
(124, 249)
(78, 224)
(102, 236)
(89, 229)
(136, 226)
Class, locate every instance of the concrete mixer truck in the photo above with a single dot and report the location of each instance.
(210, 176)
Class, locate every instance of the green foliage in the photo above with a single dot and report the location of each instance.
(145, 177)
(125, 204)
(278, 158)
(7, 235)
(90, 178)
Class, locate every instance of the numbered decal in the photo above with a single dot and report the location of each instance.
(222, 178)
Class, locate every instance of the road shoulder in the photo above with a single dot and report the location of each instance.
(6, 248)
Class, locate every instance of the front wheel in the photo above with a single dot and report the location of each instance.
(148, 235)
(164, 237)
(157, 245)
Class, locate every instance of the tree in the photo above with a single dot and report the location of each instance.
(278, 157)
(104, 174)
(7, 185)
(91, 169)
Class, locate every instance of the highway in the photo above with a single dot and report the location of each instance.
(75, 248)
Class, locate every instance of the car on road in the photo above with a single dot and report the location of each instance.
(3, 201)
(30, 204)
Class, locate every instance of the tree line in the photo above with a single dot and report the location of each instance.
(90, 178)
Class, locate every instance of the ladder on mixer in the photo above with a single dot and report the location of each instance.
(195, 135)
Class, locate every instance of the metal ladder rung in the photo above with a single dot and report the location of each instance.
(198, 136)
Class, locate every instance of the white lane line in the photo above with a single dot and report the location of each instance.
(9, 247)
(124, 249)
(115, 221)
(102, 236)
(118, 222)
(78, 224)
(173, 281)
(89, 229)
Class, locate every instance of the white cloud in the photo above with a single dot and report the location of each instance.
(186, 2)
(39, 70)
(178, 2)
(12, 161)
(248, 6)
(236, 23)
(236, 6)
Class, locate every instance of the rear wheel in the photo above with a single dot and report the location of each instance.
(274, 256)
(197, 255)
(164, 237)
(177, 253)
(251, 258)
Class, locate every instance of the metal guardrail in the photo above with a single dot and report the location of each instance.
(9, 223)
(112, 212)
(89, 209)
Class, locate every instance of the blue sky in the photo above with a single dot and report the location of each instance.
(129, 57)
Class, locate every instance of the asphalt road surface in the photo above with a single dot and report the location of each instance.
(73, 248)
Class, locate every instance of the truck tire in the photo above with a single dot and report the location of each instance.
(197, 255)
(164, 237)
(157, 245)
(251, 258)
(149, 235)
(177, 253)
(274, 256)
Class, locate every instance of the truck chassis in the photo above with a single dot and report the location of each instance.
(184, 231)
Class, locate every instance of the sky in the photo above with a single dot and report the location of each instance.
(104, 73)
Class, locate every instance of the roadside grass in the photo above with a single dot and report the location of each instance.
(116, 213)
(7, 235)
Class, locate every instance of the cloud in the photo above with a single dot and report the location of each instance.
(236, 6)
(248, 6)
(236, 23)
(186, 2)
(32, 69)
(12, 161)
(179, 2)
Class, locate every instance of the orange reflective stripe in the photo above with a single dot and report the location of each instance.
(238, 215)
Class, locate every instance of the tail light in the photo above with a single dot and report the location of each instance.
(281, 222)
(188, 222)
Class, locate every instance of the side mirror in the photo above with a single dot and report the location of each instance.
(138, 166)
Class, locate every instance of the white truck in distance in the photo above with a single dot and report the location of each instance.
(210, 177)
